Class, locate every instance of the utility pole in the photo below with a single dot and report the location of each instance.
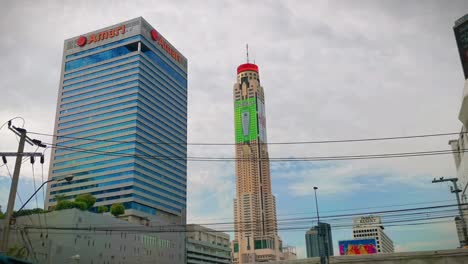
(14, 181)
(455, 190)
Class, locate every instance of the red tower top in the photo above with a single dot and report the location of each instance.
(247, 67)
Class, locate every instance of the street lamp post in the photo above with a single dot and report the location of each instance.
(319, 230)
(68, 178)
(316, 205)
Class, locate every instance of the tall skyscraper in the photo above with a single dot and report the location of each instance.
(256, 236)
(123, 89)
(319, 241)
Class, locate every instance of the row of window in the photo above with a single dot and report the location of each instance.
(129, 149)
(155, 73)
(101, 79)
(116, 182)
(95, 141)
(104, 128)
(159, 92)
(155, 149)
(101, 66)
(80, 121)
(142, 137)
(176, 74)
(75, 169)
(95, 101)
(152, 161)
(178, 188)
(115, 43)
(99, 57)
(98, 86)
(100, 122)
(98, 110)
(155, 128)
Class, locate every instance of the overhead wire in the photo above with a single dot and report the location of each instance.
(35, 188)
(184, 229)
(349, 209)
(273, 159)
(267, 143)
(17, 193)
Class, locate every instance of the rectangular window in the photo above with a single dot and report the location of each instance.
(100, 57)
(74, 55)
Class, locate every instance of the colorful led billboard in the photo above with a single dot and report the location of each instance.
(358, 247)
(261, 120)
(246, 120)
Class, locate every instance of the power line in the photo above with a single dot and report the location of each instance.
(350, 209)
(344, 215)
(280, 159)
(184, 229)
(268, 143)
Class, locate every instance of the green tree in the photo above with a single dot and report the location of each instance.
(102, 209)
(117, 209)
(2, 215)
(80, 205)
(86, 198)
(64, 204)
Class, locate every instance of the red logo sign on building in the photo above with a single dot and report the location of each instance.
(96, 37)
(174, 54)
(81, 41)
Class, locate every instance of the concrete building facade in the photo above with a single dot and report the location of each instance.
(74, 236)
(319, 241)
(459, 145)
(256, 235)
(123, 89)
(205, 245)
(371, 227)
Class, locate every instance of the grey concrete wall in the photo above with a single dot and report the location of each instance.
(84, 239)
(457, 256)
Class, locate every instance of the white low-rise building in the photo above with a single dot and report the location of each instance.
(371, 227)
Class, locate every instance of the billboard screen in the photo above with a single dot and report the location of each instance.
(245, 112)
(358, 247)
(461, 36)
(261, 120)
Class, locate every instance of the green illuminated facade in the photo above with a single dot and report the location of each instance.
(246, 120)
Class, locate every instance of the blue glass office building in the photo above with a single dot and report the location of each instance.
(122, 99)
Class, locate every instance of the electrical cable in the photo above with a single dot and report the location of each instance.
(269, 143)
(183, 229)
(17, 193)
(43, 189)
(35, 188)
(350, 209)
(298, 159)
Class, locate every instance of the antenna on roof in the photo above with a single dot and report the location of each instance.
(247, 49)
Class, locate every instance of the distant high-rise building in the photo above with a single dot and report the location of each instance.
(371, 227)
(120, 88)
(256, 234)
(205, 245)
(319, 241)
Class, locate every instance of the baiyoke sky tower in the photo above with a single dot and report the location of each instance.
(256, 235)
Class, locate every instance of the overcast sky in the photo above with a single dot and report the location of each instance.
(330, 70)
